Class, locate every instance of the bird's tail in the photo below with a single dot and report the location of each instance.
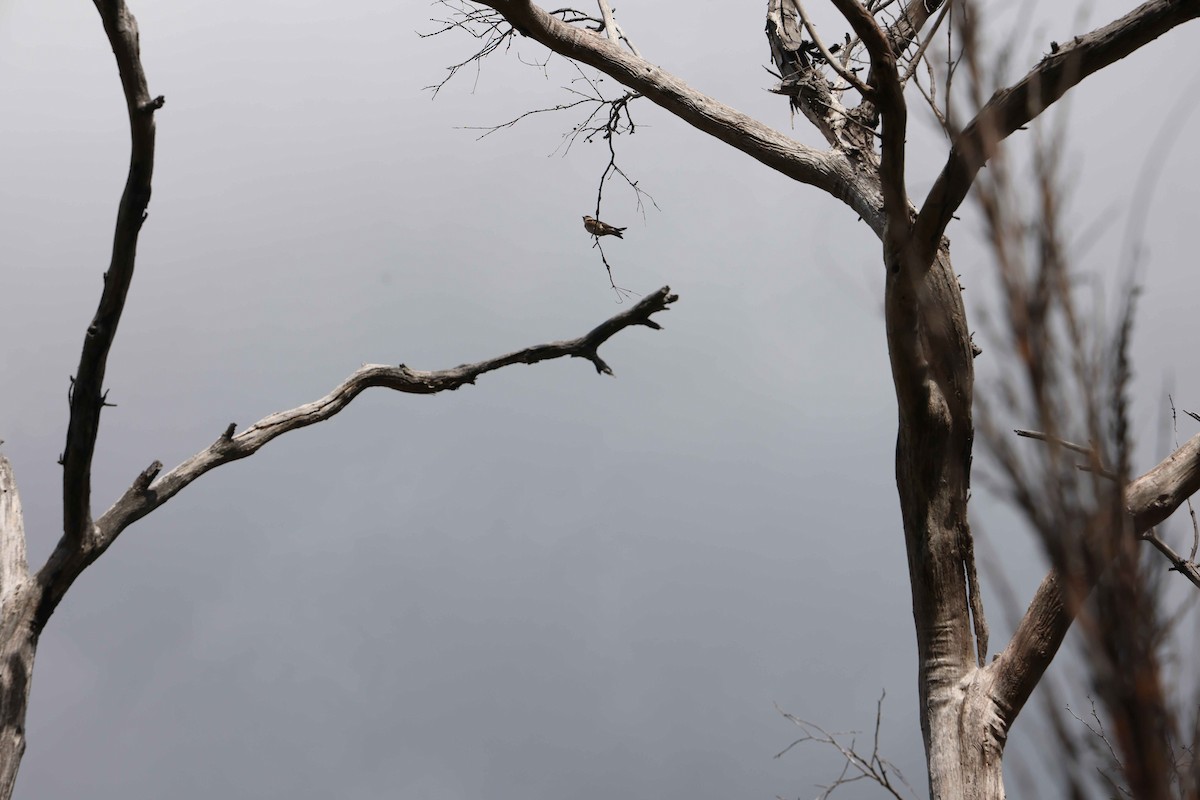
(619, 232)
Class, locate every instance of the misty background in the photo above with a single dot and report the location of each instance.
(553, 583)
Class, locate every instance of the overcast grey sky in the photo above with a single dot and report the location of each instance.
(552, 584)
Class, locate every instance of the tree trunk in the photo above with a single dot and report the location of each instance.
(18, 630)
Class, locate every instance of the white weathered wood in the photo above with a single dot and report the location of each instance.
(13, 569)
(18, 633)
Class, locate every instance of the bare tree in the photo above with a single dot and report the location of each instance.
(28, 597)
(857, 91)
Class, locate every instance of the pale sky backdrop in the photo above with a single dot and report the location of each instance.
(552, 584)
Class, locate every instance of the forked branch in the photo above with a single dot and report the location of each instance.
(1149, 500)
(150, 490)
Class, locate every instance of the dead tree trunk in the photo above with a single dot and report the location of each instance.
(18, 632)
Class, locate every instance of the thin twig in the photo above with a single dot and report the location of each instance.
(856, 767)
(1096, 467)
(1191, 508)
(1043, 437)
(916, 59)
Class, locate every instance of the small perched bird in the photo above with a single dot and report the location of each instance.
(597, 228)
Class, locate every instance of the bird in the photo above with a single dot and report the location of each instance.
(597, 228)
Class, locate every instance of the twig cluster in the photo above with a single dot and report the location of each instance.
(606, 117)
(871, 767)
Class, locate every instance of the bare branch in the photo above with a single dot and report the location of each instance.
(148, 492)
(622, 292)
(1011, 108)
(904, 31)
(612, 30)
(1149, 500)
(485, 26)
(915, 61)
(610, 130)
(889, 99)
(87, 395)
(616, 121)
(1095, 465)
(1184, 566)
(1045, 437)
(488, 130)
(610, 25)
(769, 146)
(931, 96)
(873, 767)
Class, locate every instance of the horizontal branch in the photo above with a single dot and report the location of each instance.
(1011, 108)
(1044, 437)
(150, 491)
(1149, 500)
